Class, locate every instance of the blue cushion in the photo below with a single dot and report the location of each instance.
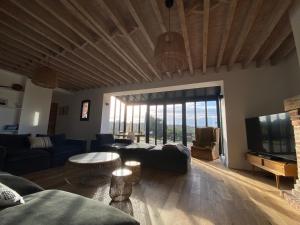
(67, 149)
(58, 139)
(105, 139)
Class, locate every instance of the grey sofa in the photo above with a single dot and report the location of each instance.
(54, 207)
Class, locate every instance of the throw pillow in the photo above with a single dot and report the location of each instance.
(40, 142)
(9, 197)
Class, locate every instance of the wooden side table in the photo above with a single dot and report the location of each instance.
(135, 167)
(120, 186)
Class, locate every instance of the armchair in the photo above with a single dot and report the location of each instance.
(206, 145)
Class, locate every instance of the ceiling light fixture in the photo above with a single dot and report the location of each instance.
(45, 77)
(169, 51)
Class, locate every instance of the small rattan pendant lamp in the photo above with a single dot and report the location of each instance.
(169, 53)
(45, 77)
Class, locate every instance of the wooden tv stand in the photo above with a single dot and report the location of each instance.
(278, 168)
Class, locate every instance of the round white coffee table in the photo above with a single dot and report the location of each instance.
(92, 166)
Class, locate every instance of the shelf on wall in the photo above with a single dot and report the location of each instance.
(9, 107)
(10, 89)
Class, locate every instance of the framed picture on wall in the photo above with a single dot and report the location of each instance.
(85, 110)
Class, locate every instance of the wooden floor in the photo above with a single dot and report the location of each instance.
(208, 194)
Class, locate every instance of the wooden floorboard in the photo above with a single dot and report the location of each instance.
(208, 194)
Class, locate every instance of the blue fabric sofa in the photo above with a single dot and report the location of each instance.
(16, 156)
(165, 158)
(64, 148)
(107, 142)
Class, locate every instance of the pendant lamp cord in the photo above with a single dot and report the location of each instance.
(169, 20)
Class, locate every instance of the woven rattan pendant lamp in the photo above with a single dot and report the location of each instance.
(45, 77)
(169, 53)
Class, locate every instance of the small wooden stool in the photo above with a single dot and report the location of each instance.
(135, 167)
(120, 186)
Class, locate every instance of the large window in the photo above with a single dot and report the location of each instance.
(170, 123)
(136, 118)
(190, 122)
(152, 124)
(165, 122)
(142, 131)
(159, 124)
(178, 122)
(201, 114)
(129, 118)
(212, 114)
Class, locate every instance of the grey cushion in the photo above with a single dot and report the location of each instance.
(19, 184)
(55, 207)
(9, 197)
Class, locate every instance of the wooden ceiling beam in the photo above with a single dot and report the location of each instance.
(28, 22)
(62, 34)
(118, 23)
(205, 34)
(39, 33)
(17, 14)
(84, 16)
(29, 71)
(245, 29)
(282, 36)
(140, 24)
(15, 44)
(26, 58)
(284, 50)
(185, 34)
(43, 53)
(280, 9)
(31, 8)
(226, 32)
(157, 12)
(84, 35)
(142, 27)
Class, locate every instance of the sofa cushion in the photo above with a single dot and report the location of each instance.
(58, 139)
(67, 149)
(58, 207)
(40, 142)
(26, 154)
(9, 197)
(14, 142)
(105, 139)
(19, 184)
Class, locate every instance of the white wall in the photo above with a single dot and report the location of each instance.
(71, 124)
(36, 99)
(247, 93)
(10, 114)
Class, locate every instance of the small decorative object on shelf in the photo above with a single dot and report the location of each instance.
(120, 186)
(135, 167)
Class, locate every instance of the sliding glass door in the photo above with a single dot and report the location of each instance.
(152, 124)
(190, 122)
(156, 124)
(164, 122)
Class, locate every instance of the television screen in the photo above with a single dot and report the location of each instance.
(271, 134)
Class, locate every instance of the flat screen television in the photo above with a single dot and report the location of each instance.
(271, 135)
